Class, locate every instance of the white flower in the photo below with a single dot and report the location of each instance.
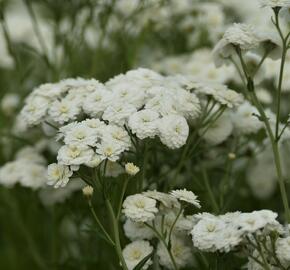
(109, 150)
(262, 178)
(275, 3)
(94, 124)
(180, 250)
(9, 103)
(113, 169)
(164, 222)
(30, 154)
(80, 134)
(271, 42)
(137, 230)
(144, 124)
(50, 91)
(62, 111)
(218, 131)
(219, 92)
(118, 113)
(74, 155)
(242, 36)
(95, 161)
(229, 98)
(88, 191)
(34, 175)
(10, 173)
(139, 208)
(283, 250)
(165, 199)
(256, 220)
(35, 110)
(136, 252)
(173, 130)
(58, 175)
(131, 169)
(245, 119)
(96, 102)
(185, 196)
(113, 134)
(128, 93)
(189, 104)
(215, 233)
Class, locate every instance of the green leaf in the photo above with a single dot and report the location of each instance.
(142, 262)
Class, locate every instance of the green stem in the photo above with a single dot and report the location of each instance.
(100, 224)
(261, 252)
(278, 97)
(161, 238)
(124, 187)
(277, 159)
(173, 224)
(116, 235)
(273, 139)
(209, 191)
(38, 32)
(144, 165)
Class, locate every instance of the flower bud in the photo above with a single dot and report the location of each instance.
(131, 169)
(88, 191)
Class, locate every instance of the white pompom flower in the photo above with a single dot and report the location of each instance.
(187, 196)
(275, 3)
(144, 124)
(58, 175)
(135, 252)
(139, 208)
(74, 155)
(173, 130)
(218, 131)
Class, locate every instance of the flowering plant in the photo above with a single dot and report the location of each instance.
(178, 166)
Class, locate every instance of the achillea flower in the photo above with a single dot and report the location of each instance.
(139, 208)
(184, 195)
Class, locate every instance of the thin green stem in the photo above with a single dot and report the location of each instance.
(279, 91)
(38, 32)
(276, 153)
(163, 241)
(124, 187)
(116, 235)
(100, 224)
(281, 73)
(209, 190)
(272, 137)
(261, 252)
(174, 223)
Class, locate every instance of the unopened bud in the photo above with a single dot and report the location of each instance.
(232, 156)
(88, 191)
(131, 169)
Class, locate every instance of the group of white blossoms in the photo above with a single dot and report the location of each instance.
(97, 122)
(209, 233)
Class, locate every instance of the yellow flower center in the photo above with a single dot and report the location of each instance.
(210, 227)
(136, 254)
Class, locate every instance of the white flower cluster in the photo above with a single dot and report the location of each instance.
(28, 169)
(275, 3)
(140, 102)
(199, 65)
(243, 37)
(224, 233)
(153, 208)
